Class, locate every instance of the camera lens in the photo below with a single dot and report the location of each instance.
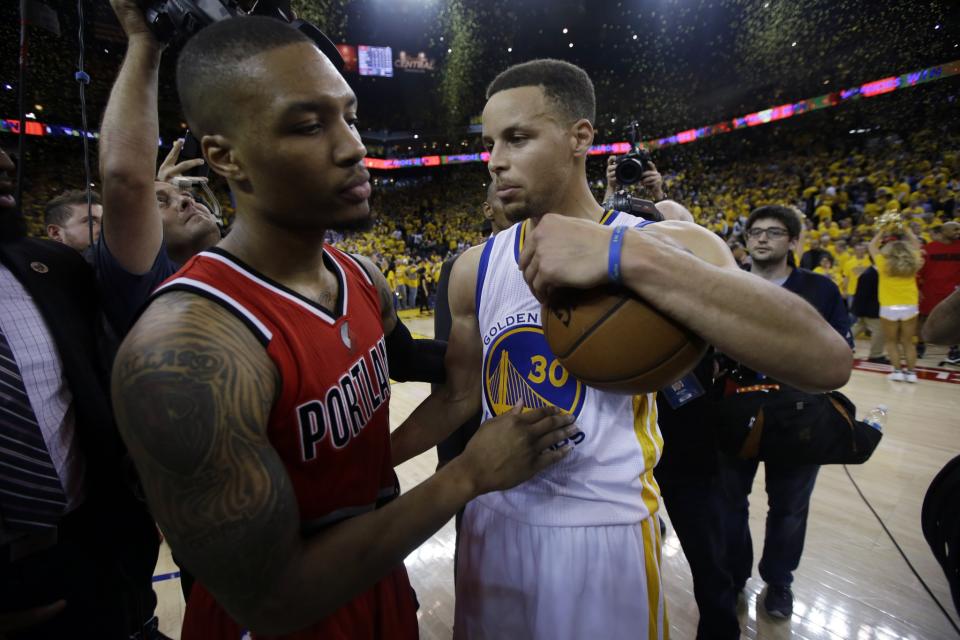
(629, 171)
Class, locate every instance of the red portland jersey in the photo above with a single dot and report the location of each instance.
(330, 425)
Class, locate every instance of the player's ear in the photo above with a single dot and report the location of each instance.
(487, 210)
(221, 156)
(582, 137)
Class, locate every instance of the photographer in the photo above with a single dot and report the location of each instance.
(650, 180)
(150, 227)
(618, 198)
(772, 233)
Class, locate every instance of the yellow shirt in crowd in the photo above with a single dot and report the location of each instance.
(833, 274)
(411, 276)
(851, 270)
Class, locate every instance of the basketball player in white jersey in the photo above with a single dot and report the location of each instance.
(574, 552)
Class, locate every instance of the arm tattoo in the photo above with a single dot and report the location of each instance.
(193, 390)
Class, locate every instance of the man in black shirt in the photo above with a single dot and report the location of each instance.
(866, 307)
(688, 474)
(772, 233)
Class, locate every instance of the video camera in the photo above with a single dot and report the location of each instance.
(177, 20)
(631, 166)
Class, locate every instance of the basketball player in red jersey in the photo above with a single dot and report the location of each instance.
(253, 392)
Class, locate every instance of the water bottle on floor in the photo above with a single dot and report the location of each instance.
(877, 418)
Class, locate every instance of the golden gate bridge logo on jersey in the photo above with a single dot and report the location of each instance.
(519, 366)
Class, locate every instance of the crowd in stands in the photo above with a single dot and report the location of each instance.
(844, 198)
(897, 188)
(426, 217)
(419, 223)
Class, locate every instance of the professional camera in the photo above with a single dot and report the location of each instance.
(177, 20)
(631, 166)
(623, 201)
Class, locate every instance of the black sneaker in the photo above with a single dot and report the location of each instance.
(953, 356)
(879, 360)
(779, 601)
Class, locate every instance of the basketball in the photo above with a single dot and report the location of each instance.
(612, 340)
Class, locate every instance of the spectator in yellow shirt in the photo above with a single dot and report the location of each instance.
(855, 264)
(823, 213)
(401, 288)
(829, 228)
(827, 268)
(886, 201)
(392, 285)
(411, 281)
(852, 267)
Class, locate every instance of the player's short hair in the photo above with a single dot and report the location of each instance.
(566, 85)
(211, 65)
(777, 212)
(58, 210)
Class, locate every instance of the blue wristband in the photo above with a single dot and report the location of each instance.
(616, 249)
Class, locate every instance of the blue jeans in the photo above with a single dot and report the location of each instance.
(788, 498)
(402, 295)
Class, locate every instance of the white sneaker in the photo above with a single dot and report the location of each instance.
(896, 376)
(910, 376)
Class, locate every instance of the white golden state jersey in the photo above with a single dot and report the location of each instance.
(608, 477)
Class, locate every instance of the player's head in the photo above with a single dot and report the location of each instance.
(538, 128)
(276, 119)
(951, 231)
(673, 210)
(493, 210)
(772, 233)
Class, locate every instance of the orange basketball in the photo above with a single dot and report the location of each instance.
(612, 340)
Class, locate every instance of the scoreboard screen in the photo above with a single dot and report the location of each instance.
(375, 61)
